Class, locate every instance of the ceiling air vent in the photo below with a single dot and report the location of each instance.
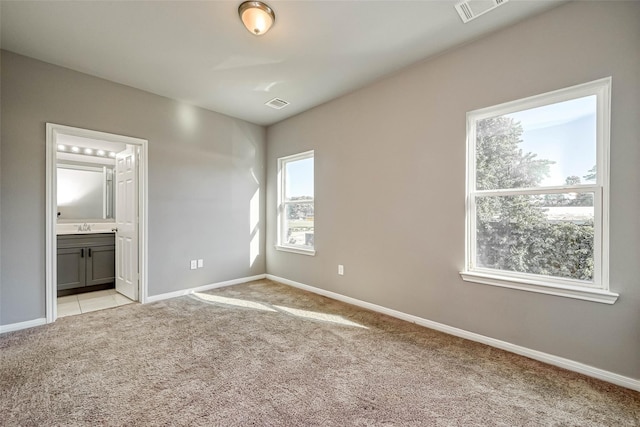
(471, 9)
(277, 103)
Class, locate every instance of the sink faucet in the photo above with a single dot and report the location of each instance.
(84, 227)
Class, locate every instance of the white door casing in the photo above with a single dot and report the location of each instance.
(127, 223)
(53, 130)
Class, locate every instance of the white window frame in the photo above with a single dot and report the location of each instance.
(598, 290)
(282, 244)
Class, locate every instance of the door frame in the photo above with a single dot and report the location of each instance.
(52, 132)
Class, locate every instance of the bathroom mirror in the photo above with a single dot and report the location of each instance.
(85, 193)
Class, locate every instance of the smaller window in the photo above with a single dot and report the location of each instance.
(296, 203)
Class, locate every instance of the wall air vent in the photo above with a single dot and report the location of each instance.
(471, 9)
(277, 103)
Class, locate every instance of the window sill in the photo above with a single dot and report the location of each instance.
(576, 292)
(301, 251)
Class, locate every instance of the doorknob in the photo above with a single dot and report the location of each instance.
(115, 230)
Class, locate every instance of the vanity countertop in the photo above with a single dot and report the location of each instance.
(85, 228)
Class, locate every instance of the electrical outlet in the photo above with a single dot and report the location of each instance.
(341, 269)
(194, 264)
(200, 263)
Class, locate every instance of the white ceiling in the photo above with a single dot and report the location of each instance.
(200, 53)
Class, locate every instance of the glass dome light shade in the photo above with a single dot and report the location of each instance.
(256, 16)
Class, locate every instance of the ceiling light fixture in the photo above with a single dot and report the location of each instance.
(256, 16)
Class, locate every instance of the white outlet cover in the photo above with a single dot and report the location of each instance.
(341, 270)
(194, 264)
(200, 263)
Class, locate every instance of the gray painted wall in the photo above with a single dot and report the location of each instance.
(204, 169)
(390, 184)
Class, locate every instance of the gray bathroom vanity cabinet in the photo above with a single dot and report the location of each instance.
(85, 261)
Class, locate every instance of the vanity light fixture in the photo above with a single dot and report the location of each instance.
(256, 16)
(86, 151)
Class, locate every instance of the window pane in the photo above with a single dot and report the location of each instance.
(551, 145)
(550, 234)
(299, 224)
(299, 180)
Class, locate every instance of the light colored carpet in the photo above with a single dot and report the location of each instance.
(262, 353)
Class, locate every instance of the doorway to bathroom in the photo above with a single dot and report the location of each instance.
(96, 220)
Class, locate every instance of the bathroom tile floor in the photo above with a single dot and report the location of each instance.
(91, 301)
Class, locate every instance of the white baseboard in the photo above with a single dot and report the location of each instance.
(561, 362)
(22, 325)
(160, 297)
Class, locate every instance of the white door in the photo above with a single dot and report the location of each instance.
(127, 223)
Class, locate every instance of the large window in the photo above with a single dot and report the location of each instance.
(537, 193)
(295, 203)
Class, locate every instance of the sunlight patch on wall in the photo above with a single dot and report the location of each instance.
(254, 211)
(254, 230)
(254, 248)
(253, 175)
